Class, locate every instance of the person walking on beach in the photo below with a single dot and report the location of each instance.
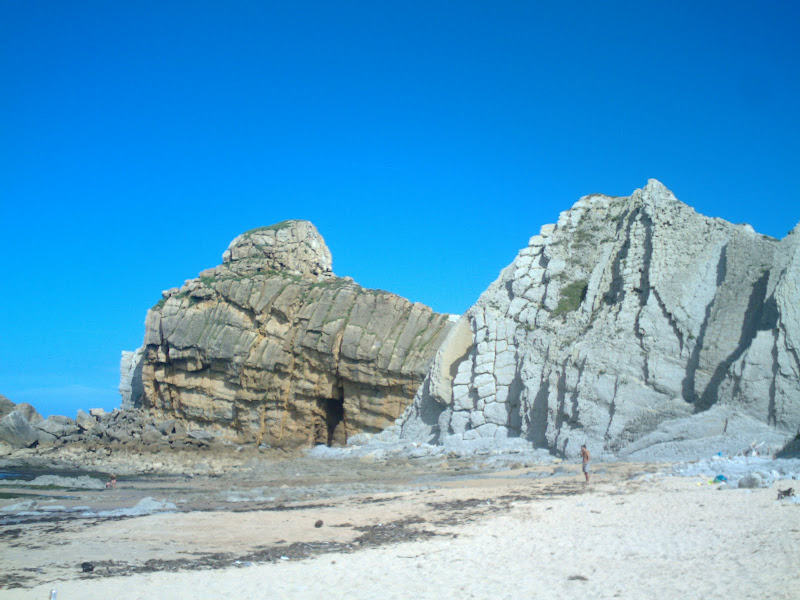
(586, 457)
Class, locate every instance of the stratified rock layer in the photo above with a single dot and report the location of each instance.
(271, 346)
(620, 327)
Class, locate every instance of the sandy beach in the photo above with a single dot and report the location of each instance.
(427, 531)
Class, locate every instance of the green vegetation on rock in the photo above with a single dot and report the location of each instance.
(275, 227)
(571, 297)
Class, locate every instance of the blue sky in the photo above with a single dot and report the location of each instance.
(426, 140)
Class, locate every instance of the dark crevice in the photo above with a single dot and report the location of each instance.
(514, 402)
(770, 314)
(575, 420)
(330, 427)
(612, 409)
(640, 336)
(537, 425)
(688, 383)
(429, 411)
(644, 282)
(737, 385)
(645, 365)
(644, 290)
(509, 291)
(543, 261)
(753, 317)
(772, 416)
(616, 292)
(791, 351)
(722, 266)
(670, 319)
(561, 395)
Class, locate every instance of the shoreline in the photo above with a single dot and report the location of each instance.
(385, 518)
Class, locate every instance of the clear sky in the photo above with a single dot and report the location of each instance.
(427, 141)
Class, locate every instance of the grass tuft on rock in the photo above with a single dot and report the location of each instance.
(571, 297)
(275, 227)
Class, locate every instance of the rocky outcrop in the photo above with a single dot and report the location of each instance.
(17, 431)
(18, 424)
(293, 247)
(6, 406)
(272, 347)
(130, 378)
(133, 430)
(620, 327)
(55, 427)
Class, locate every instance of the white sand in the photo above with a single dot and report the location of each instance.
(667, 538)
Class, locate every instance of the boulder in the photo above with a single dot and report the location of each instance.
(151, 435)
(6, 406)
(17, 431)
(119, 434)
(44, 438)
(29, 412)
(752, 480)
(200, 435)
(85, 421)
(169, 426)
(58, 426)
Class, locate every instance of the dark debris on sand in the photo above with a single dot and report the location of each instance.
(371, 536)
(409, 529)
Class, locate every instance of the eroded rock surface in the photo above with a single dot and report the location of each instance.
(18, 424)
(272, 347)
(620, 326)
(6, 406)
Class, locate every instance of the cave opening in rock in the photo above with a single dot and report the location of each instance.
(334, 432)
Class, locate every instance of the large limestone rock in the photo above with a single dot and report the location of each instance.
(6, 406)
(291, 247)
(17, 428)
(55, 427)
(130, 378)
(621, 326)
(272, 347)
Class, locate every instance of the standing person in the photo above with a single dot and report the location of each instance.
(586, 457)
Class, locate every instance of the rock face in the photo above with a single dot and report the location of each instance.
(17, 431)
(620, 327)
(272, 347)
(130, 378)
(18, 424)
(6, 406)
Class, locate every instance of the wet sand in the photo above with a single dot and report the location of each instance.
(428, 529)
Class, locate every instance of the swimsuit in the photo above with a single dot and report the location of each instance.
(586, 467)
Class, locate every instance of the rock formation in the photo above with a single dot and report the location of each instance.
(272, 347)
(18, 423)
(134, 430)
(630, 323)
(6, 406)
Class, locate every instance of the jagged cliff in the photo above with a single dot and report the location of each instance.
(633, 321)
(271, 346)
